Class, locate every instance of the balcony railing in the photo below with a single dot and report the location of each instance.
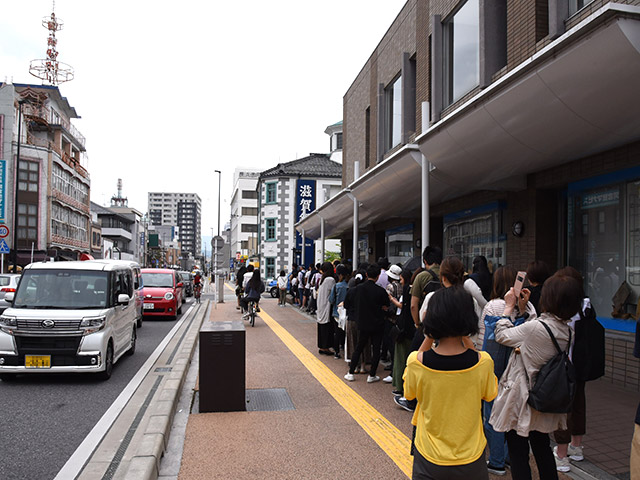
(44, 114)
(72, 162)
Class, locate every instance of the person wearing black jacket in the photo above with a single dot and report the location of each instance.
(372, 302)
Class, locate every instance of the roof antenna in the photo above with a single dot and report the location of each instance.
(49, 69)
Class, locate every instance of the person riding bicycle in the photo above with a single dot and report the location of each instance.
(197, 284)
(255, 286)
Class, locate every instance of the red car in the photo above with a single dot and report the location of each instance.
(162, 292)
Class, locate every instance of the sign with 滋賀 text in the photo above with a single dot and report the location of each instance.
(305, 204)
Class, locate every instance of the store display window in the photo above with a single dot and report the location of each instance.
(603, 243)
(477, 231)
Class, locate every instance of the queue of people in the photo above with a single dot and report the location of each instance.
(464, 352)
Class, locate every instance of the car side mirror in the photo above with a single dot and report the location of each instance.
(9, 297)
(123, 299)
(180, 285)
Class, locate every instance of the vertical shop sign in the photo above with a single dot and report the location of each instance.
(305, 204)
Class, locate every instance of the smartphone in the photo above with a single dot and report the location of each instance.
(517, 287)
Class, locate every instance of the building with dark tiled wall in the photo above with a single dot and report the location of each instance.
(517, 123)
(287, 192)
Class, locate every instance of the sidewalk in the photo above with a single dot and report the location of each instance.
(309, 423)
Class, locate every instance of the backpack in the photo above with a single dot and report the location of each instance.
(431, 286)
(556, 382)
(588, 350)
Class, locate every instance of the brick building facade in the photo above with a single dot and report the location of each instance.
(516, 122)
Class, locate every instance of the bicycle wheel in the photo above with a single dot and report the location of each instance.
(252, 315)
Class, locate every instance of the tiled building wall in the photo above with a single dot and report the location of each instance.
(591, 8)
(621, 367)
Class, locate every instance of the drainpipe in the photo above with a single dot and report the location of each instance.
(356, 175)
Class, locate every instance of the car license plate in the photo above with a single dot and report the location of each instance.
(148, 306)
(37, 361)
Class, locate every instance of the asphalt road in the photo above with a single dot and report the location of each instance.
(44, 418)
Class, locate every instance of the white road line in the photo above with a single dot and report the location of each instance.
(77, 461)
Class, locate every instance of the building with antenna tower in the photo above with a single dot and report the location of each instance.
(50, 70)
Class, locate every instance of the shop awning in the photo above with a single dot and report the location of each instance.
(576, 97)
(391, 188)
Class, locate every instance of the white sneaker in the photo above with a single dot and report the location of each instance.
(350, 377)
(387, 379)
(575, 453)
(562, 464)
(371, 379)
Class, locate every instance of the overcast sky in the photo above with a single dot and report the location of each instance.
(170, 91)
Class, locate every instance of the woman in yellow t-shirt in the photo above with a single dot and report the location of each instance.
(450, 381)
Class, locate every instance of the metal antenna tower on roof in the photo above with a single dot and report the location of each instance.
(49, 69)
(118, 200)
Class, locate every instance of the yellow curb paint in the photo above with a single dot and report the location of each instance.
(392, 441)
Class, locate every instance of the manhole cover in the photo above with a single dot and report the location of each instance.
(268, 400)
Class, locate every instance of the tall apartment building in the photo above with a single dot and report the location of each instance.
(244, 212)
(517, 123)
(182, 210)
(53, 185)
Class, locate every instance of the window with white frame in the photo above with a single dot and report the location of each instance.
(575, 5)
(393, 110)
(461, 51)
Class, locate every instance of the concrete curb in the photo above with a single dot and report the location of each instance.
(145, 462)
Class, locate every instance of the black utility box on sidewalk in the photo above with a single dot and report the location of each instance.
(222, 367)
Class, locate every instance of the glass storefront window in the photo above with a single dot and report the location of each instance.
(363, 249)
(399, 242)
(603, 243)
(477, 231)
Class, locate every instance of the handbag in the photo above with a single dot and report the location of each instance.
(555, 384)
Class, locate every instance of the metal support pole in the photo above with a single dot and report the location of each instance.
(219, 185)
(322, 239)
(425, 167)
(14, 251)
(304, 240)
(355, 233)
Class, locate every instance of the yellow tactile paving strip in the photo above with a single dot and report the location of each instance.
(392, 441)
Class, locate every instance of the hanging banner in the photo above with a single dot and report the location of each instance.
(305, 204)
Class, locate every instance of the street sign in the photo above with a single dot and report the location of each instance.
(4, 248)
(4, 231)
(217, 243)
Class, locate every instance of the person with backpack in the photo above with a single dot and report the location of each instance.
(426, 282)
(587, 355)
(535, 343)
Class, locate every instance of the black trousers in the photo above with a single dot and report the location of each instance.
(376, 342)
(519, 454)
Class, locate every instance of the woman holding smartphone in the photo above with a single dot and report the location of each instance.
(526, 428)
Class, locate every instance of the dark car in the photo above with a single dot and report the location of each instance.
(187, 279)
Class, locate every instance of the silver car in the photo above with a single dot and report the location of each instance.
(8, 284)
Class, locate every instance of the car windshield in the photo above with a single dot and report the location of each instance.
(157, 280)
(62, 289)
(4, 281)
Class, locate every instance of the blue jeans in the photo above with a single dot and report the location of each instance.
(495, 440)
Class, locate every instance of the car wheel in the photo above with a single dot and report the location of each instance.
(179, 308)
(274, 292)
(8, 377)
(108, 363)
(139, 322)
(134, 338)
